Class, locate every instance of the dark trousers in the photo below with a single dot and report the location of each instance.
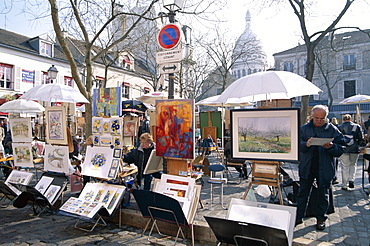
(304, 193)
(148, 179)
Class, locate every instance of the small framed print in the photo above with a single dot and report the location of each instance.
(117, 153)
(21, 129)
(56, 125)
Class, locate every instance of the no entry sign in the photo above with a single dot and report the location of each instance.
(169, 36)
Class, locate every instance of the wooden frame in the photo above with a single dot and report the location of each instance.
(265, 134)
(56, 125)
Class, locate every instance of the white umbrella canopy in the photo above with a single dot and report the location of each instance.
(214, 101)
(21, 106)
(151, 97)
(269, 85)
(55, 93)
(356, 99)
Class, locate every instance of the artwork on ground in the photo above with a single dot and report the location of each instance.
(98, 162)
(22, 153)
(107, 102)
(175, 128)
(56, 158)
(21, 129)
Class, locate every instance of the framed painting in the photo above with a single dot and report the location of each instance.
(115, 126)
(129, 128)
(22, 153)
(265, 134)
(96, 140)
(117, 142)
(97, 125)
(175, 128)
(56, 125)
(56, 158)
(21, 129)
(98, 162)
(117, 153)
(107, 102)
(106, 140)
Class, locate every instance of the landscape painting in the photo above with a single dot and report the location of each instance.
(175, 128)
(268, 134)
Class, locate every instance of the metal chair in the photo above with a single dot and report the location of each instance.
(217, 178)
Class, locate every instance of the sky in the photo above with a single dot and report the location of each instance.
(277, 27)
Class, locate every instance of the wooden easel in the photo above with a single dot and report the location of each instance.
(265, 173)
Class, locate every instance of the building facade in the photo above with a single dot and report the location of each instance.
(342, 68)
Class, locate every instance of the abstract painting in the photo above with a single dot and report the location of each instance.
(56, 158)
(21, 129)
(98, 161)
(107, 102)
(22, 153)
(265, 134)
(175, 128)
(56, 125)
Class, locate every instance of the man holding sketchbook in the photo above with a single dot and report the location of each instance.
(140, 156)
(317, 164)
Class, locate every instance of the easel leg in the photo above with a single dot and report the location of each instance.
(248, 188)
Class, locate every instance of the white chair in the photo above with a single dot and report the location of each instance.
(217, 178)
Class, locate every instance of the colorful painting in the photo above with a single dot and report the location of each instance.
(96, 140)
(106, 140)
(21, 129)
(117, 142)
(175, 128)
(56, 158)
(98, 162)
(129, 129)
(107, 102)
(97, 125)
(56, 125)
(22, 153)
(116, 126)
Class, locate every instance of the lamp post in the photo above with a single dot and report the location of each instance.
(172, 6)
(52, 73)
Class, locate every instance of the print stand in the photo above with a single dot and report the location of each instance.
(11, 188)
(265, 173)
(159, 207)
(8, 194)
(45, 194)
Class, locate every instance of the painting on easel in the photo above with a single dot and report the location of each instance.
(175, 128)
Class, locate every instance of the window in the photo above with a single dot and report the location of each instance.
(243, 72)
(349, 88)
(126, 90)
(45, 49)
(99, 82)
(238, 74)
(45, 78)
(68, 81)
(288, 66)
(249, 71)
(6, 76)
(349, 62)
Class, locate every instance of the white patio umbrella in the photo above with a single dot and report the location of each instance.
(55, 93)
(214, 101)
(357, 99)
(21, 106)
(269, 85)
(151, 97)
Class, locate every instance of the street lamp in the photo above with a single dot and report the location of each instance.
(172, 6)
(52, 73)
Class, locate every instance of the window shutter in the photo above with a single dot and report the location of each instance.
(17, 79)
(340, 89)
(358, 86)
(37, 78)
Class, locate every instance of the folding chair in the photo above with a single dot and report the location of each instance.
(217, 178)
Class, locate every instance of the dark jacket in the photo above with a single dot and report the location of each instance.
(136, 156)
(326, 156)
(358, 137)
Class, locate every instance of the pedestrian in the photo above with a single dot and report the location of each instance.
(367, 125)
(354, 139)
(144, 127)
(317, 165)
(334, 121)
(139, 156)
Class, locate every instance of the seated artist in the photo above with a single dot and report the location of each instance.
(139, 156)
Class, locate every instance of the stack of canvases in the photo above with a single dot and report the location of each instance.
(102, 158)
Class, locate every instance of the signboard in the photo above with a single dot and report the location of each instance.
(169, 56)
(169, 36)
(28, 76)
(169, 68)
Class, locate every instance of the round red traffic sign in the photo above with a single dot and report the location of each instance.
(169, 36)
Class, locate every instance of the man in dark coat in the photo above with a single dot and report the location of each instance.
(139, 156)
(317, 164)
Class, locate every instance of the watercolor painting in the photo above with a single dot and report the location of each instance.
(97, 125)
(21, 129)
(175, 128)
(22, 153)
(56, 125)
(98, 162)
(56, 158)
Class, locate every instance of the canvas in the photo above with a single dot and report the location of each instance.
(56, 125)
(22, 153)
(98, 161)
(107, 102)
(175, 128)
(21, 129)
(56, 158)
